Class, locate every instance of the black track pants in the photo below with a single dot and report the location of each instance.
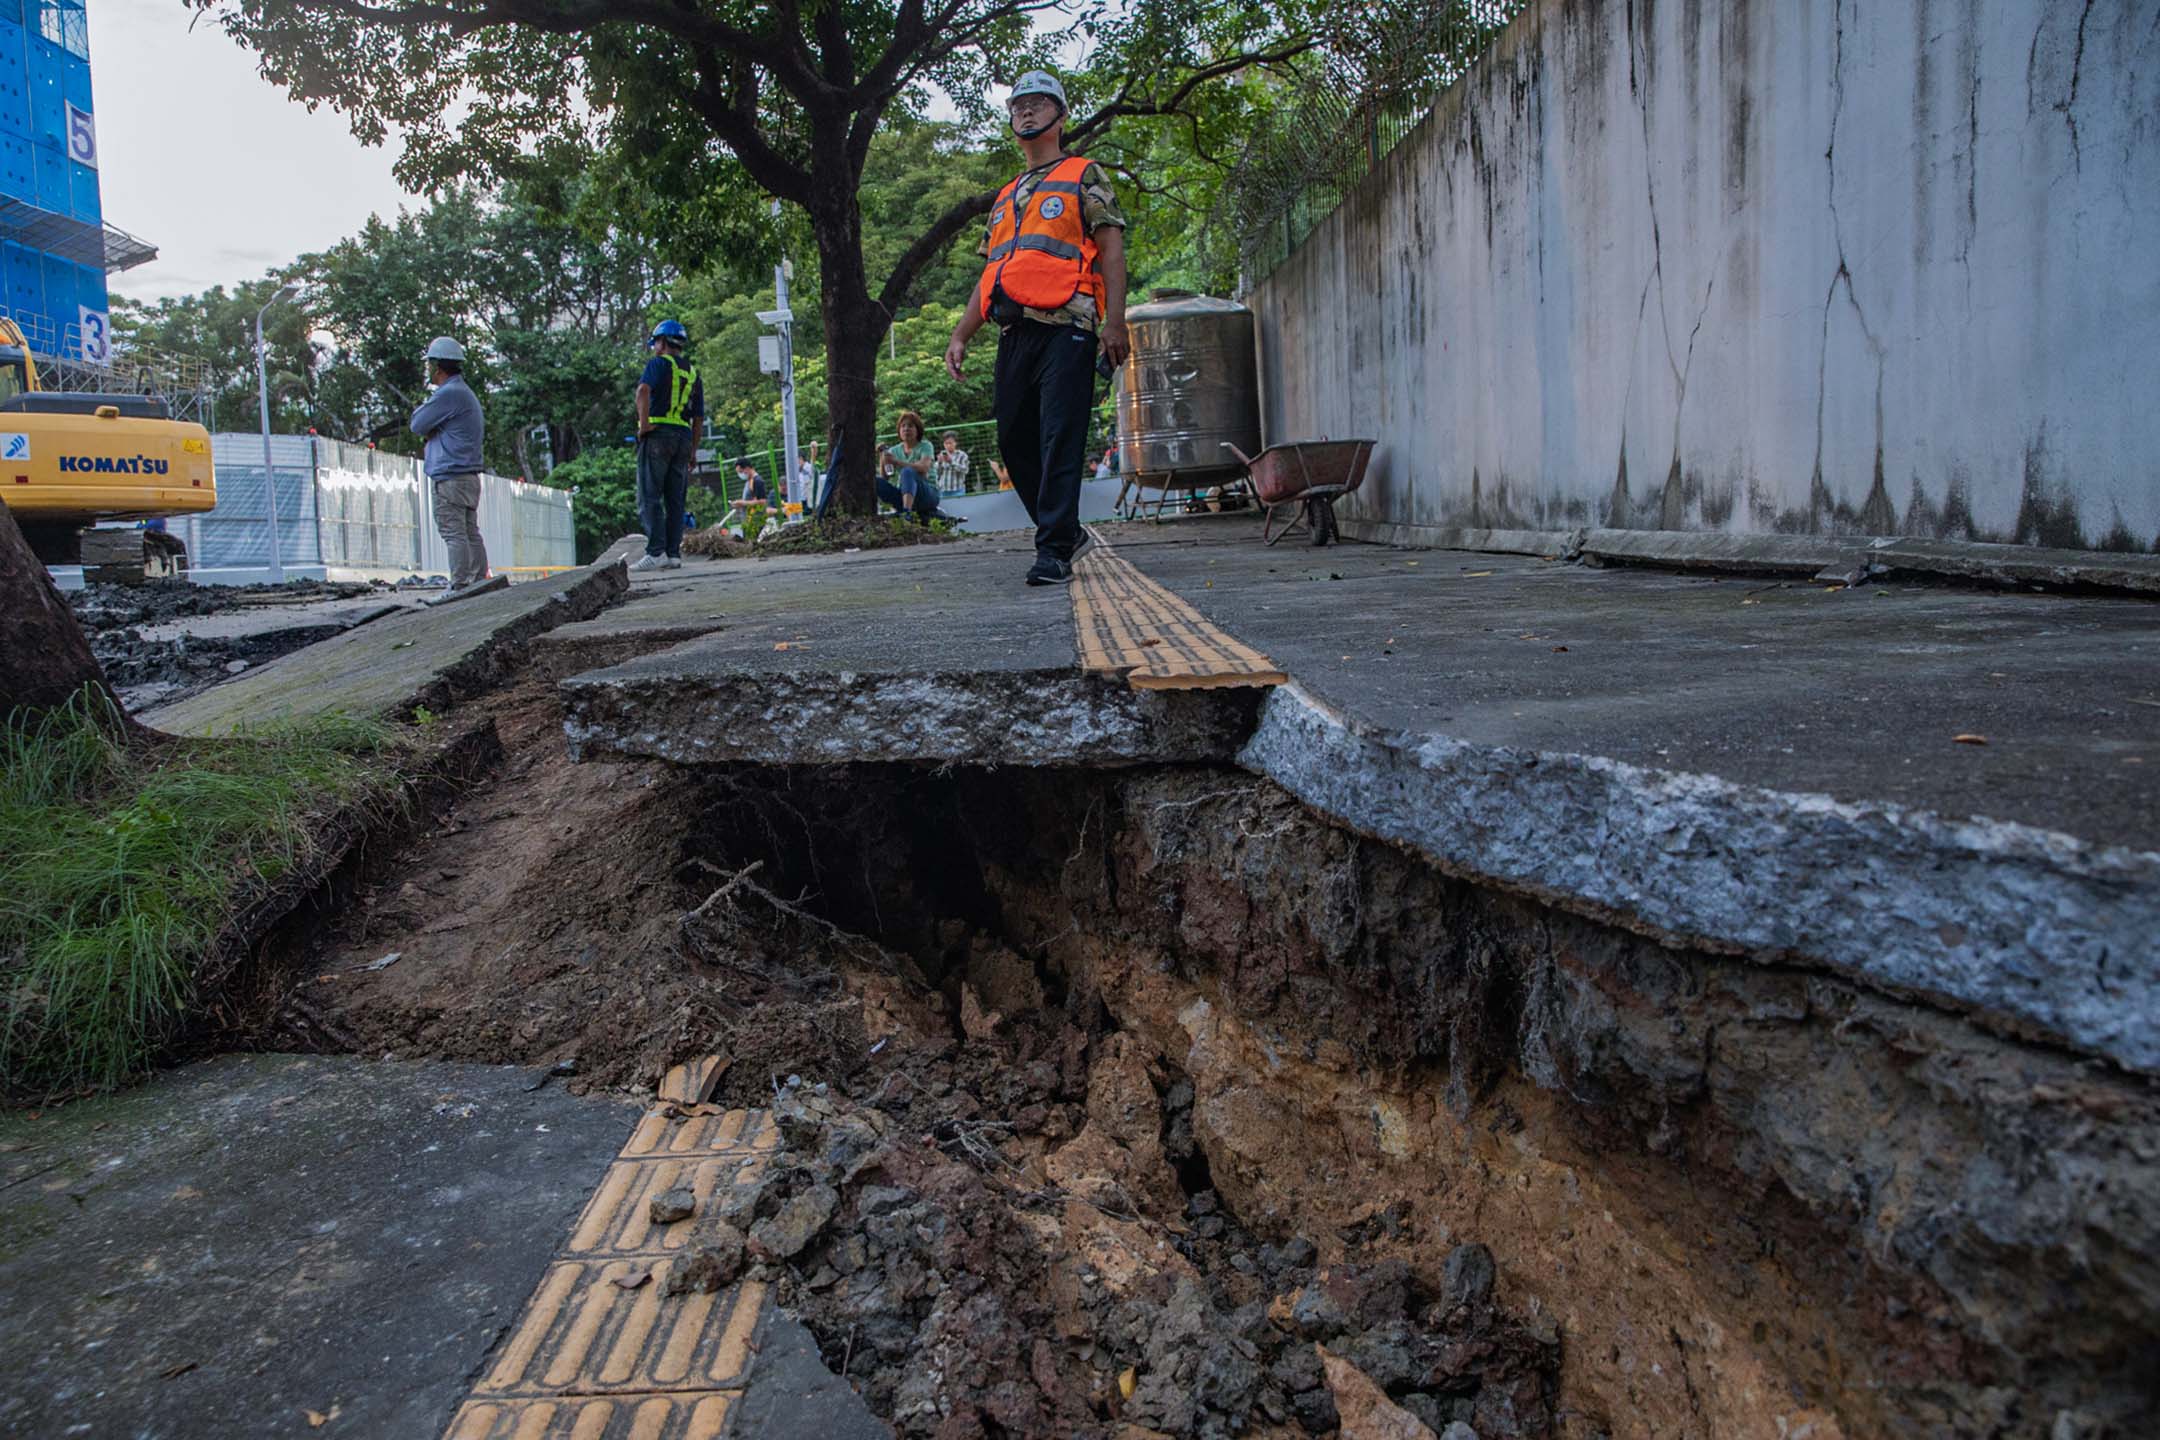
(1044, 398)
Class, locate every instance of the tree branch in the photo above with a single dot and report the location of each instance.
(731, 111)
(928, 244)
(1095, 124)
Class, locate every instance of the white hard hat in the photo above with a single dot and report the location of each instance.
(1038, 82)
(442, 347)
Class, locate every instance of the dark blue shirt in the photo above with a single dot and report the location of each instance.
(659, 377)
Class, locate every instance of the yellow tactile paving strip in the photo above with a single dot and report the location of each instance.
(618, 1218)
(602, 1351)
(691, 1083)
(1127, 624)
(584, 1334)
(700, 1130)
(624, 1417)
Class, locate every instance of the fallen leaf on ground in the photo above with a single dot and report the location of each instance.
(404, 644)
(174, 1372)
(1969, 739)
(1127, 1380)
(1476, 574)
(636, 1280)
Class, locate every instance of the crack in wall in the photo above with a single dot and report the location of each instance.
(2067, 106)
(1971, 60)
(1657, 241)
(1673, 479)
(1877, 505)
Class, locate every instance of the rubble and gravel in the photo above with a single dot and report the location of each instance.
(994, 1218)
(141, 636)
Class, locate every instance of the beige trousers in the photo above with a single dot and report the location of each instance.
(457, 515)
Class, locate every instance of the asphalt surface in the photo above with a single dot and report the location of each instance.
(239, 1245)
(920, 609)
(379, 667)
(1795, 686)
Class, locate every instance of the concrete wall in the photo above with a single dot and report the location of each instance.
(1812, 266)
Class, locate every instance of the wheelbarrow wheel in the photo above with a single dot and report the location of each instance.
(1320, 519)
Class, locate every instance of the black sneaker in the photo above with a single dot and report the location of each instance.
(1087, 543)
(1049, 570)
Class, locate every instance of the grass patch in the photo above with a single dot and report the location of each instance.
(120, 867)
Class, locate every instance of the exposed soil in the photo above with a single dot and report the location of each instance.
(993, 1211)
(537, 921)
(1143, 1102)
(815, 537)
(713, 542)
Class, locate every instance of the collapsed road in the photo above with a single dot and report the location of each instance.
(1624, 1009)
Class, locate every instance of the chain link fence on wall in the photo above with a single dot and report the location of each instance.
(1375, 78)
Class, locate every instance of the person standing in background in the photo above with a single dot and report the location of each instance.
(451, 422)
(951, 465)
(670, 418)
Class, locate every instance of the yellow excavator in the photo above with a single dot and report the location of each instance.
(70, 459)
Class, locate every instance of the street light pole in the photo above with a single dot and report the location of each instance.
(262, 387)
(794, 488)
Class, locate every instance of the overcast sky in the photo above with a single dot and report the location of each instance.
(211, 163)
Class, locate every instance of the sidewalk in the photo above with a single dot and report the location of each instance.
(1763, 767)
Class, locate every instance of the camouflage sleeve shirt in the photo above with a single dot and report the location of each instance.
(1098, 207)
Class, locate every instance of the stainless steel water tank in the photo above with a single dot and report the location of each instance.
(1190, 385)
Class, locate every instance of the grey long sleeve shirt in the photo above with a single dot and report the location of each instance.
(451, 423)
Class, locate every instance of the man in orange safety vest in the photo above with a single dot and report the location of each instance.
(1053, 282)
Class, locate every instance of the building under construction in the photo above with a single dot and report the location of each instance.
(55, 247)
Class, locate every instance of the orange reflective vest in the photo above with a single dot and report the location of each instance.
(1041, 254)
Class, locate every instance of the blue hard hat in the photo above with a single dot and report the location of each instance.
(671, 330)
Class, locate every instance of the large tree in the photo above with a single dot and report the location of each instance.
(711, 103)
(45, 659)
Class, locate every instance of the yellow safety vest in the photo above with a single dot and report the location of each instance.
(679, 398)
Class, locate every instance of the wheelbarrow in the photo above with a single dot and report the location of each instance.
(1306, 477)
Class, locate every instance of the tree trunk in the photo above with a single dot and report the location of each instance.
(855, 327)
(45, 659)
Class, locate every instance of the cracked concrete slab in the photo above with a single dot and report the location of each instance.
(937, 655)
(1765, 767)
(1951, 795)
(426, 657)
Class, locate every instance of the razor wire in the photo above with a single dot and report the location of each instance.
(1376, 75)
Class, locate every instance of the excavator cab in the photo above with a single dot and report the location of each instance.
(15, 372)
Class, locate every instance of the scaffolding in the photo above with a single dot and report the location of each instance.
(183, 382)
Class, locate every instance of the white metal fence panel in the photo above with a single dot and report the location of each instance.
(366, 512)
(237, 533)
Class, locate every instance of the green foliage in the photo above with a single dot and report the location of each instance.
(550, 300)
(218, 328)
(122, 865)
(604, 509)
(698, 109)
